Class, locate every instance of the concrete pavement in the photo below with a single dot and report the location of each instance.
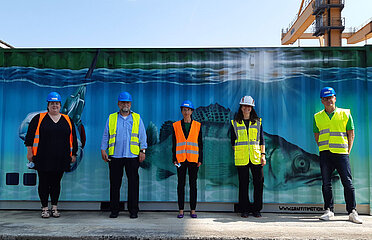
(164, 225)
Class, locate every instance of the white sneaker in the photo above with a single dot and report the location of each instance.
(328, 215)
(354, 217)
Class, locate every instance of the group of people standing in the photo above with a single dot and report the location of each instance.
(52, 145)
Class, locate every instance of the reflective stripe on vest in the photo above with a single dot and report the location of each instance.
(134, 138)
(247, 149)
(187, 149)
(332, 132)
(37, 133)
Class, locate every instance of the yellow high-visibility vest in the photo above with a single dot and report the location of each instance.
(134, 140)
(247, 149)
(332, 132)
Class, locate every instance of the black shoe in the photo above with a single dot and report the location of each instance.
(133, 215)
(257, 214)
(114, 215)
(244, 215)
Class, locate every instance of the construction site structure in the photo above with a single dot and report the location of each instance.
(328, 25)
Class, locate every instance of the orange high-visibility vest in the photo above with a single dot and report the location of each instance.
(187, 148)
(36, 139)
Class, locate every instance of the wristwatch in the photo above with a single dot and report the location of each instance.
(143, 151)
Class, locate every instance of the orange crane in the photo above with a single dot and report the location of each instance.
(328, 25)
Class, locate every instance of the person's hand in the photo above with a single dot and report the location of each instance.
(142, 157)
(104, 156)
(29, 154)
(73, 158)
(263, 159)
(199, 163)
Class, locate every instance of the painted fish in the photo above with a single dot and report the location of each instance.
(288, 166)
(73, 107)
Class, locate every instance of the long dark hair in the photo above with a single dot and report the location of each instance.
(239, 117)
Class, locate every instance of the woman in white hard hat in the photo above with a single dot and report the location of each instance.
(247, 140)
(187, 155)
(52, 145)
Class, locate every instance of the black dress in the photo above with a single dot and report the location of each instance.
(53, 154)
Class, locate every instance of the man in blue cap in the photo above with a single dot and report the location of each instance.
(125, 139)
(334, 134)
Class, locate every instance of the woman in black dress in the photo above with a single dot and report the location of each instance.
(51, 145)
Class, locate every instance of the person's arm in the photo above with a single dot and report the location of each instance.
(350, 139)
(174, 143)
(262, 146)
(74, 142)
(200, 145)
(316, 132)
(316, 136)
(142, 140)
(29, 139)
(104, 142)
(232, 136)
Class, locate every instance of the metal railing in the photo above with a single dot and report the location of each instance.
(363, 24)
(325, 3)
(306, 3)
(323, 23)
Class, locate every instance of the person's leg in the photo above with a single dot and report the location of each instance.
(181, 177)
(55, 186)
(116, 166)
(55, 190)
(327, 167)
(343, 168)
(131, 169)
(43, 188)
(258, 180)
(243, 174)
(193, 176)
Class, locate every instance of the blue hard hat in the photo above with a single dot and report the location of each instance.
(188, 104)
(53, 97)
(327, 92)
(125, 97)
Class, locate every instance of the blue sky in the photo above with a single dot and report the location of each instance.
(156, 23)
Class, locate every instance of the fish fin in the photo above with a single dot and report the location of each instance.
(162, 174)
(152, 134)
(166, 130)
(212, 113)
(83, 137)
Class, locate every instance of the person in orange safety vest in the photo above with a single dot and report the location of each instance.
(187, 155)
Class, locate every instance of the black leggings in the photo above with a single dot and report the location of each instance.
(193, 175)
(49, 184)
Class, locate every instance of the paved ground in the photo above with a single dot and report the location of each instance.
(165, 225)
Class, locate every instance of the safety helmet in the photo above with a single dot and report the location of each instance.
(53, 97)
(247, 100)
(326, 92)
(125, 97)
(188, 104)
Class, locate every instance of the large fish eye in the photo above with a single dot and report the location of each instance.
(301, 165)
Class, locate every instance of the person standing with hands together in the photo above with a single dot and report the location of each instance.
(187, 155)
(52, 146)
(125, 138)
(248, 143)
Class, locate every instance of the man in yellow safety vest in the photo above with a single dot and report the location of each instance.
(125, 138)
(334, 134)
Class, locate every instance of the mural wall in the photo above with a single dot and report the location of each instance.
(285, 83)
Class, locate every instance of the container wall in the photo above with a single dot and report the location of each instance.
(285, 83)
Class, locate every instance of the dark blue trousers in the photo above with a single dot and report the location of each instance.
(340, 162)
